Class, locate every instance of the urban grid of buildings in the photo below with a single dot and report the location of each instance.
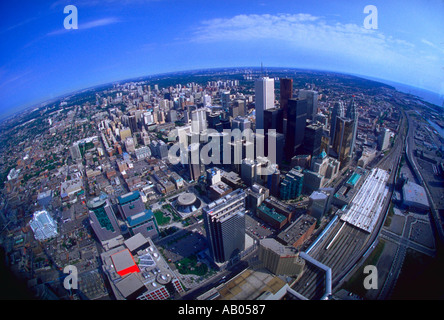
(90, 181)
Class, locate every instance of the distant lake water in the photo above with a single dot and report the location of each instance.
(437, 128)
(426, 95)
(429, 96)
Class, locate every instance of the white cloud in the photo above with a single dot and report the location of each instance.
(303, 31)
(432, 45)
(427, 42)
(93, 3)
(88, 25)
(360, 48)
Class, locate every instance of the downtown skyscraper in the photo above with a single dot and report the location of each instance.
(264, 96)
(353, 115)
(224, 221)
(296, 122)
(311, 97)
(343, 142)
(286, 93)
(338, 111)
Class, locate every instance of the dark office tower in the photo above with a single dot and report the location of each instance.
(237, 108)
(325, 141)
(273, 119)
(132, 122)
(353, 115)
(311, 97)
(225, 99)
(338, 111)
(213, 120)
(286, 94)
(241, 123)
(102, 219)
(296, 121)
(342, 144)
(224, 221)
(219, 127)
(276, 154)
(312, 140)
(225, 123)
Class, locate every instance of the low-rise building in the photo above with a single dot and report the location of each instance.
(136, 270)
(298, 232)
(280, 259)
(414, 197)
(43, 225)
(270, 216)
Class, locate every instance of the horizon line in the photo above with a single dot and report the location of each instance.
(6, 115)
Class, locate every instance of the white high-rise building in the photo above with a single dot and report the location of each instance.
(264, 95)
(384, 139)
(206, 100)
(198, 120)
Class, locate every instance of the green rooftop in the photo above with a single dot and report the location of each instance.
(354, 179)
(128, 197)
(271, 213)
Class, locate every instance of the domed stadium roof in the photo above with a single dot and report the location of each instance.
(186, 199)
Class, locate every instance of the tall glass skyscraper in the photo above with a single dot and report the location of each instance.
(342, 143)
(273, 119)
(353, 115)
(264, 96)
(296, 122)
(338, 111)
(311, 97)
(286, 89)
(225, 226)
(312, 140)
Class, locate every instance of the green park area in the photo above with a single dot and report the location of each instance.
(190, 265)
(161, 218)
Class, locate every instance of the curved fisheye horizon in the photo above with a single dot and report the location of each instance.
(426, 95)
(228, 153)
(45, 55)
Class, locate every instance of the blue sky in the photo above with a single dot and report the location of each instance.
(121, 39)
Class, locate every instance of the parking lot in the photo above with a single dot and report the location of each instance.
(421, 232)
(257, 228)
(183, 244)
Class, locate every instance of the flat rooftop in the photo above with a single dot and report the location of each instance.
(271, 213)
(250, 284)
(354, 179)
(131, 196)
(279, 248)
(153, 272)
(296, 230)
(124, 262)
(414, 193)
(364, 210)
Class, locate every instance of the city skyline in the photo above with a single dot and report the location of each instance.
(98, 164)
(121, 40)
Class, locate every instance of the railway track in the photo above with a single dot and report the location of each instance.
(343, 242)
